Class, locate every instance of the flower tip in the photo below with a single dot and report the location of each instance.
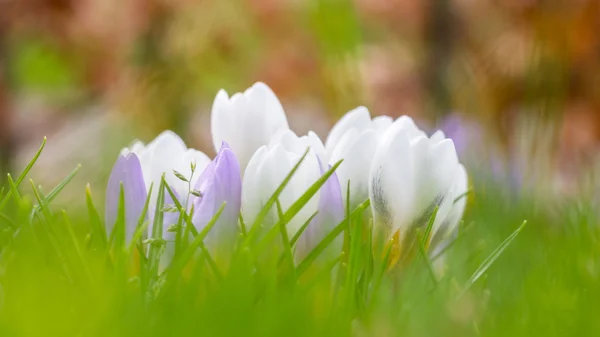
(222, 95)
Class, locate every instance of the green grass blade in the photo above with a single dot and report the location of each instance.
(142, 223)
(302, 228)
(198, 242)
(298, 204)
(492, 257)
(312, 190)
(156, 246)
(303, 266)
(77, 247)
(13, 190)
(56, 190)
(285, 240)
(265, 210)
(97, 228)
(423, 254)
(45, 217)
(25, 172)
(427, 235)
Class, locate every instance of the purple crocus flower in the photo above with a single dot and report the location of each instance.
(220, 183)
(330, 214)
(128, 171)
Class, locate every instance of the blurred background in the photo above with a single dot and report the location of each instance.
(513, 82)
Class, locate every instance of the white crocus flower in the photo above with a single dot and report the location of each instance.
(246, 121)
(166, 153)
(268, 168)
(410, 176)
(354, 140)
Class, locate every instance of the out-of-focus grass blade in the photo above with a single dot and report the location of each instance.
(265, 210)
(55, 191)
(423, 254)
(312, 190)
(452, 241)
(155, 248)
(426, 236)
(24, 173)
(490, 259)
(98, 230)
(45, 217)
(117, 237)
(178, 265)
(243, 227)
(464, 195)
(13, 189)
(285, 240)
(78, 250)
(325, 272)
(142, 223)
(303, 266)
(8, 221)
(296, 236)
(298, 204)
(355, 229)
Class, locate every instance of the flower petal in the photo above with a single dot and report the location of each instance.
(127, 171)
(330, 214)
(220, 183)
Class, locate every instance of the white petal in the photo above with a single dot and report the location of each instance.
(247, 121)
(357, 151)
(252, 191)
(194, 156)
(391, 182)
(167, 140)
(381, 123)
(358, 118)
(220, 118)
(438, 136)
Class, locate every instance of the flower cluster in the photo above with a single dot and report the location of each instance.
(406, 174)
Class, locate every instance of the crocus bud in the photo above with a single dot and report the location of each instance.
(166, 155)
(219, 183)
(354, 139)
(128, 172)
(246, 121)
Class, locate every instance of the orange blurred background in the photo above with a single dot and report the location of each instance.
(94, 74)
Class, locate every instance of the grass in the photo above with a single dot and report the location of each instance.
(60, 275)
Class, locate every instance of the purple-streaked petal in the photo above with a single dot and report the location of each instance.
(127, 170)
(220, 182)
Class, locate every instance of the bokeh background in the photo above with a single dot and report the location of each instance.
(514, 82)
